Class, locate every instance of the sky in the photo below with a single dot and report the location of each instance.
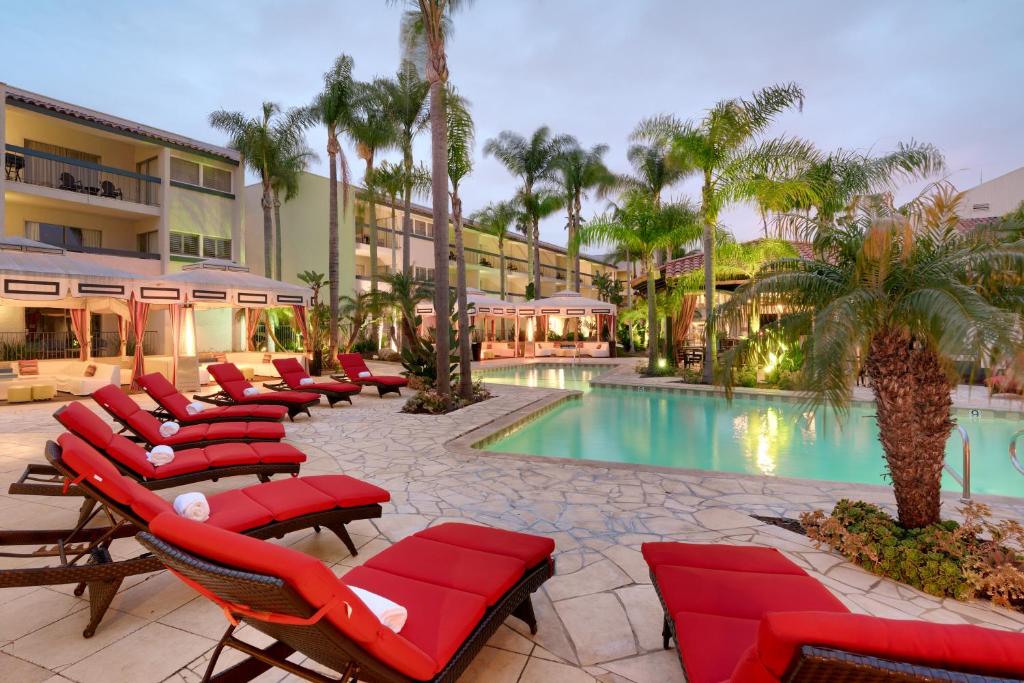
(875, 73)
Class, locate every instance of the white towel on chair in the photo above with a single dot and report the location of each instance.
(391, 614)
(250, 391)
(306, 381)
(195, 407)
(192, 506)
(364, 374)
(160, 455)
(169, 429)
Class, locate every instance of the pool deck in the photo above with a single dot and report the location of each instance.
(599, 618)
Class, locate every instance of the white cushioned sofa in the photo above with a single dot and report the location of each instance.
(67, 376)
(253, 360)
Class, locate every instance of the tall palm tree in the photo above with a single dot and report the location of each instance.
(724, 148)
(408, 105)
(391, 180)
(332, 108)
(645, 228)
(906, 291)
(260, 140)
(285, 175)
(535, 207)
(461, 132)
(532, 160)
(496, 219)
(372, 130)
(402, 294)
(426, 29)
(578, 170)
(357, 311)
(743, 260)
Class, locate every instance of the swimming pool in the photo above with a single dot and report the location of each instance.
(772, 438)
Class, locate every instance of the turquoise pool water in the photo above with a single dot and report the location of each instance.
(748, 436)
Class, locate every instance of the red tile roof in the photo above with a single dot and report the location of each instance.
(968, 224)
(695, 261)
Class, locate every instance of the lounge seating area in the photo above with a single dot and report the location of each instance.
(250, 363)
(78, 378)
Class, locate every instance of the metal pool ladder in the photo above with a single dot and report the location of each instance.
(965, 480)
(1013, 451)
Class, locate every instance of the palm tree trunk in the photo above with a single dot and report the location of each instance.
(709, 283)
(465, 340)
(652, 315)
(372, 210)
(332, 248)
(268, 229)
(407, 208)
(439, 190)
(912, 394)
(277, 235)
(501, 267)
(536, 258)
(576, 228)
(394, 235)
(571, 227)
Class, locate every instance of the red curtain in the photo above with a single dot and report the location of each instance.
(78, 323)
(140, 314)
(175, 312)
(300, 322)
(684, 318)
(252, 321)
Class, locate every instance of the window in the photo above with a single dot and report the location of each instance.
(66, 236)
(422, 228)
(148, 242)
(980, 207)
(65, 152)
(216, 179)
(184, 171)
(184, 244)
(217, 247)
(423, 274)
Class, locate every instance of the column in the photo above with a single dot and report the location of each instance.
(237, 211)
(163, 227)
(3, 158)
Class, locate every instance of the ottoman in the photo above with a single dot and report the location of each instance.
(22, 394)
(43, 392)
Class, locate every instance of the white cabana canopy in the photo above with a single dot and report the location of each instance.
(566, 303)
(481, 303)
(217, 282)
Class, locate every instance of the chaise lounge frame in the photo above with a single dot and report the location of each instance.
(222, 398)
(331, 395)
(320, 641)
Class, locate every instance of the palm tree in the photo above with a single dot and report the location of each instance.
(333, 108)
(743, 260)
(425, 29)
(371, 130)
(286, 172)
(724, 149)
(496, 219)
(316, 282)
(357, 311)
(403, 294)
(577, 171)
(408, 106)
(390, 180)
(535, 207)
(644, 228)
(906, 291)
(532, 161)
(460, 164)
(260, 140)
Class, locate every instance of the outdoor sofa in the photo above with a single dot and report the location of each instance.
(354, 370)
(173, 405)
(234, 386)
(69, 376)
(295, 378)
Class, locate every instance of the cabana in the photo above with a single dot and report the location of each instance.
(489, 316)
(550, 316)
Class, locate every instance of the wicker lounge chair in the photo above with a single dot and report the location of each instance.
(292, 376)
(146, 428)
(459, 582)
(742, 614)
(262, 510)
(354, 368)
(233, 385)
(174, 406)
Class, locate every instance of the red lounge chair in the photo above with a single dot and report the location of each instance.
(263, 510)
(749, 615)
(292, 374)
(355, 370)
(459, 582)
(233, 384)
(174, 406)
(146, 428)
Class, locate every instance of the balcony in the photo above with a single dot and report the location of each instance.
(41, 169)
(385, 238)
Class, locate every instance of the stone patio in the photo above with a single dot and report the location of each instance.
(599, 618)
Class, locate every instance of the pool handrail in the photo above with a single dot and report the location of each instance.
(1013, 451)
(965, 480)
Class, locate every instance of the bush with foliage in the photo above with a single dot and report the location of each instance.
(428, 400)
(947, 559)
(389, 356)
(747, 377)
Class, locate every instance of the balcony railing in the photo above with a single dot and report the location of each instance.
(385, 238)
(83, 177)
(27, 345)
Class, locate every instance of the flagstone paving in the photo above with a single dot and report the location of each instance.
(599, 618)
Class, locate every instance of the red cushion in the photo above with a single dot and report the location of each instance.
(236, 510)
(965, 648)
(711, 556)
(710, 645)
(528, 548)
(352, 364)
(164, 393)
(145, 503)
(85, 423)
(440, 619)
(335, 387)
(276, 452)
(347, 491)
(132, 457)
(280, 397)
(289, 498)
(485, 574)
(83, 460)
(750, 670)
(290, 370)
(186, 461)
(745, 595)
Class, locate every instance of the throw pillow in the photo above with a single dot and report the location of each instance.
(267, 358)
(220, 357)
(28, 367)
(90, 370)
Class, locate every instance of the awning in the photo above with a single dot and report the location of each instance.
(481, 304)
(566, 303)
(217, 282)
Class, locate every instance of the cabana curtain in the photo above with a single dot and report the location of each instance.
(78, 326)
(140, 314)
(303, 325)
(175, 312)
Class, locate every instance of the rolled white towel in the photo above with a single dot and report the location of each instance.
(390, 613)
(195, 407)
(160, 455)
(250, 391)
(364, 374)
(192, 506)
(169, 429)
(306, 381)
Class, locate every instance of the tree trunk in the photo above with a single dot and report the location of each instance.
(501, 267)
(652, 316)
(371, 196)
(407, 207)
(631, 273)
(576, 257)
(277, 235)
(332, 248)
(571, 226)
(394, 238)
(439, 190)
(465, 340)
(268, 230)
(709, 283)
(536, 258)
(912, 393)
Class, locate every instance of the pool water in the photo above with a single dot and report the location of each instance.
(748, 436)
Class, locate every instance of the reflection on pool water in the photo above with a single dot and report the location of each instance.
(772, 438)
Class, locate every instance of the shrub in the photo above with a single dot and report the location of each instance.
(946, 559)
(691, 376)
(428, 400)
(389, 356)
(747, 377)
